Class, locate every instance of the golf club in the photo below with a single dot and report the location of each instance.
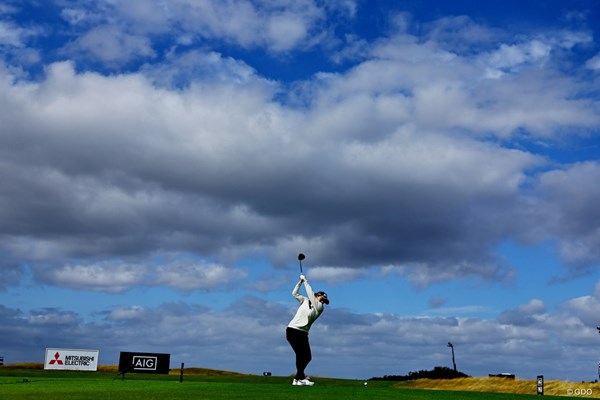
(300, 258)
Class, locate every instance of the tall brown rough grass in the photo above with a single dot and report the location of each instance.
(502, 385)
(31, 365)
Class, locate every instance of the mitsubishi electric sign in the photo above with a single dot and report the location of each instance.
(71, 359)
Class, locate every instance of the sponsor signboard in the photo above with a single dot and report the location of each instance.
(148, 363)
(71, 359)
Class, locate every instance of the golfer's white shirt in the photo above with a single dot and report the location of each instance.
(308, 312)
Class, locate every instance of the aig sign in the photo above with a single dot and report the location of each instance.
(149, 363)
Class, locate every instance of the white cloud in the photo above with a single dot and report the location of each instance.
(52, 317)
(583, 308)
(123, 31)
(195, 67)
(12, 35)
(7, 9)
(535, 306)
(429, 88)
(212, 165)
(128, 313)
(424, 274)
(459, 33)
(569, 213)
(528, 314)
(9, 35)
(105, 277)
(111, 45)
(511, 56)
(594, 63)
(336, 274)
(116, 277)
(364, 345)
(285, 31)
(192, 276)
(455, 311)
(78, 16)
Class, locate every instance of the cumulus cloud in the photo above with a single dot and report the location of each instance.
(384, 164)
(570, 213)
(14, 40)
(121, 31)
(11, 35)
(104, 277)
(509, 56)
(53, 318)
(524, 314)
(128, 313)
(336, 274)
(345, 344)
(111, 45)
(593, 63)
(116, 277)
(458, 33)
(196, 67)
(191, 276)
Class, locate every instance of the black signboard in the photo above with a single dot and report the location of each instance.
(146, 363)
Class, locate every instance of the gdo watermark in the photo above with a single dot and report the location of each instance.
(580, 392)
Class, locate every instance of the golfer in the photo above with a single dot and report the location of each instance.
(296, 333)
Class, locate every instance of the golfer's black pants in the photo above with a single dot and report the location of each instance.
(299, 341)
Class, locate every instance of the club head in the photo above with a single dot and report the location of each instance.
(301, 257)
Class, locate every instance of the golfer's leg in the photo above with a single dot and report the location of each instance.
(294, 337)
(303, 357)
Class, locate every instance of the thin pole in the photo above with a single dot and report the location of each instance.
(453, 360)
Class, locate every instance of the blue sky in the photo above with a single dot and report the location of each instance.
(164, 162)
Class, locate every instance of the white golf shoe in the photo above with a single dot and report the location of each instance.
(302, 382)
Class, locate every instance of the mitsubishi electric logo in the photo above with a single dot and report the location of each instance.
(71, 359)
(56, 359)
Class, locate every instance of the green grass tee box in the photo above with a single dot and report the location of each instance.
(71, 385)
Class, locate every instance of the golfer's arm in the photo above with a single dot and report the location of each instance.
(309, 291)
(313, 298)
(295, 293)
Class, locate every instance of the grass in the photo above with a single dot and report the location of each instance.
(31, 382)
(502, 385)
